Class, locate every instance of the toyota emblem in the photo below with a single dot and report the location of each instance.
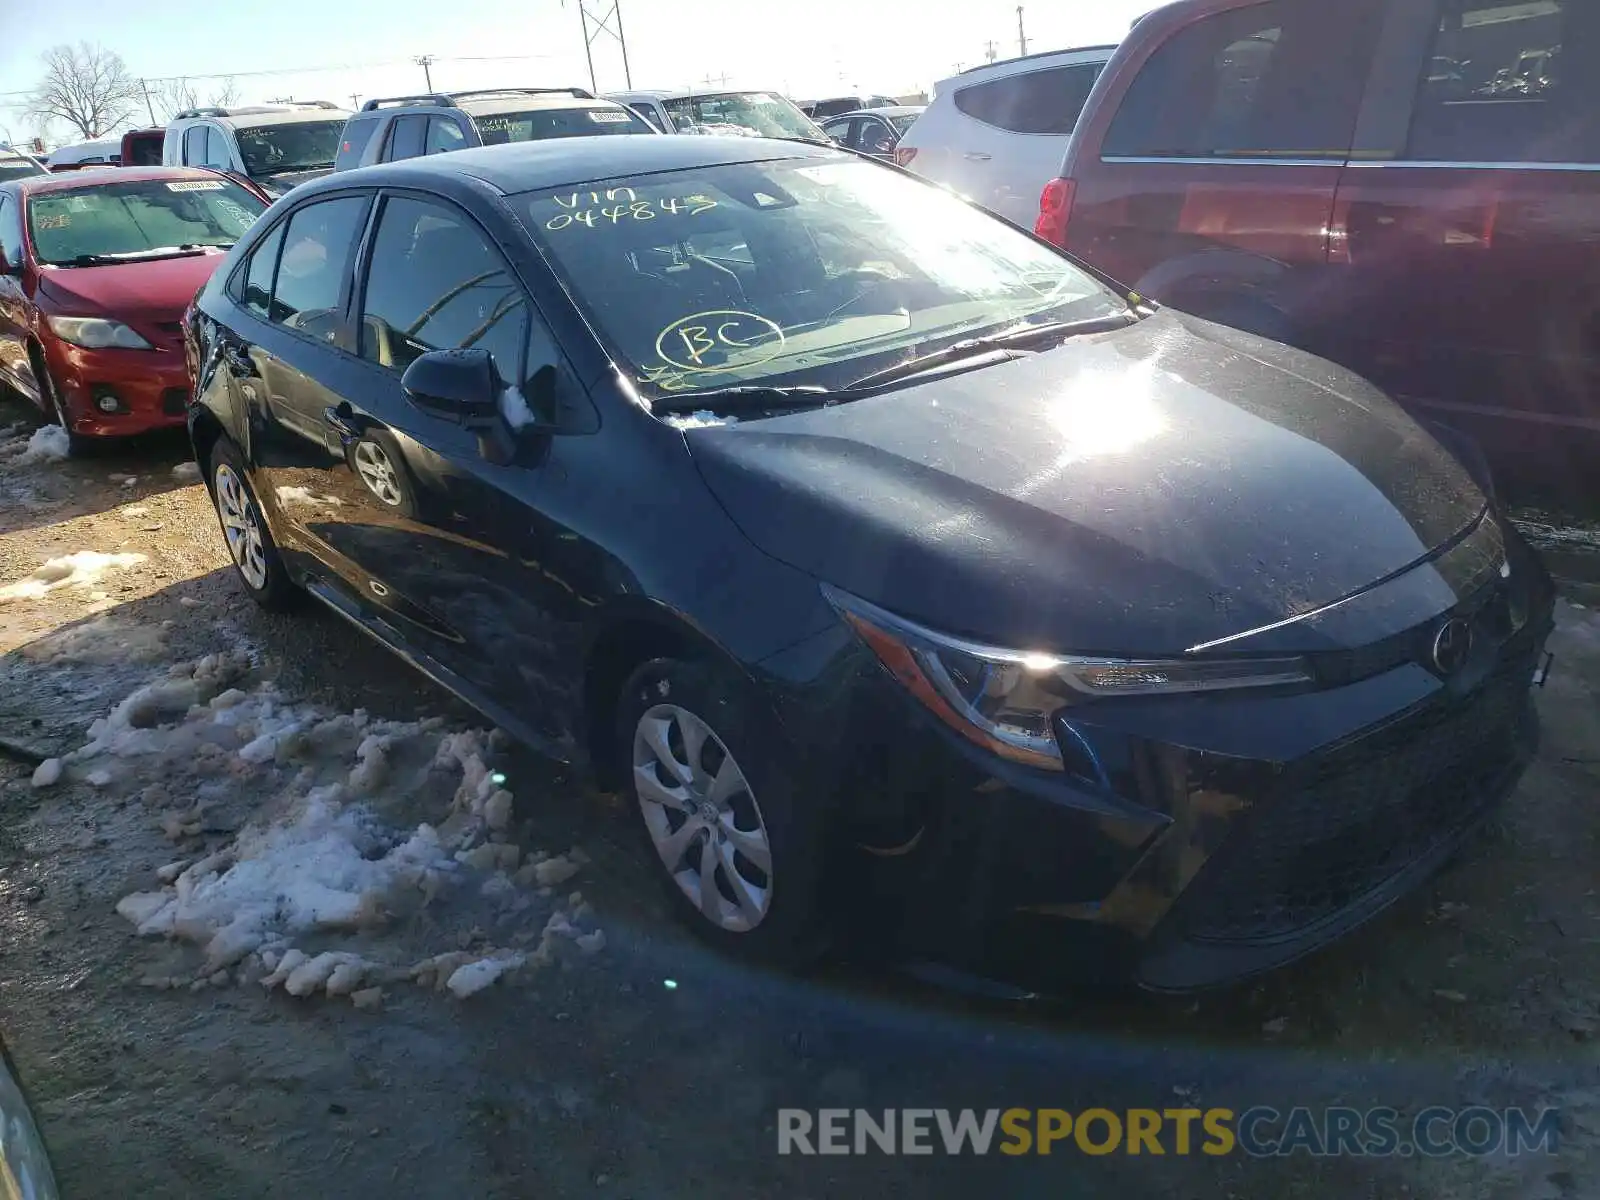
(1452, 645)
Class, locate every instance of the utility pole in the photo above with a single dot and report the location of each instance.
(990, 51)
(1022, 38)
(149, 107)
(355, 100)
(425, 61)
(719, 80)
(280, 99)
(603, 24)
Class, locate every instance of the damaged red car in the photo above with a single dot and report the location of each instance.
(96, 270)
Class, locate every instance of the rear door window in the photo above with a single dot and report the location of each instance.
(1047, 101)
(257, 294)
(357, 133)
(841, 130)
(1498, 86)
(1283, 79)
(406, 137)
(308, 291)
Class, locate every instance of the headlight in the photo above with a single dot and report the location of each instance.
(1005, 700)
(92, 333)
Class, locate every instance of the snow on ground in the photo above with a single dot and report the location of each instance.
(78, 569)
(304, 495)
(48, 444)
(106, 639)
(321, 857)
(186, 472)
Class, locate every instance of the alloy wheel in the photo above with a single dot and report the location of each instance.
(702, 816)
(378, 473)
(241, 525)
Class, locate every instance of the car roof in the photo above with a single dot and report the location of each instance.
(289, 116)
(1009, 66)
(529, 166)
(73, 180)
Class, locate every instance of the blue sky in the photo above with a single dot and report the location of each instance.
(807, 48)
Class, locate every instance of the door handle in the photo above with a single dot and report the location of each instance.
(344, 420)
(976, 156)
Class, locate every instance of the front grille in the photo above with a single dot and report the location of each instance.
(1361, 814)
(175, 401)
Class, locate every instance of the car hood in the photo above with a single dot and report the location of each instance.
(159, 289)
(1144, 491)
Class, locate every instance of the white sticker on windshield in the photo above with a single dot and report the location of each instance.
(607, 116)
(197, 185)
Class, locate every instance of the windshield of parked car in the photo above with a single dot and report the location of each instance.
(300, 146)
(904, 121)
(139, 219)
(557, 123)
(754, 114)
(18, 168)
(800, 271)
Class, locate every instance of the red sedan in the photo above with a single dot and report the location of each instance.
(96, 269)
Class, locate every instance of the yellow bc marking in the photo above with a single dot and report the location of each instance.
(687, 341)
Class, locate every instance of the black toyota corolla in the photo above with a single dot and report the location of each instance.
(876, 548)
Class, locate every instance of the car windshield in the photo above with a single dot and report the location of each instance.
(138, 219)
(904, 121)
(17, 168)
(799, 271)
(557, 123)
(753, 114)
(301, 146)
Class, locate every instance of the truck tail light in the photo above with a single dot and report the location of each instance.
(1055, 210)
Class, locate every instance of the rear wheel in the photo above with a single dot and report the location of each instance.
(739, 847)
(250, 545)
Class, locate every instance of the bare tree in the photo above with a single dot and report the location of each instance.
(87, 87)
(170, 97)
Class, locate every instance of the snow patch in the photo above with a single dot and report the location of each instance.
(79, 569)
(703, 419)
(186, 472)
(49, 443)
(304, 495)
(514, 408)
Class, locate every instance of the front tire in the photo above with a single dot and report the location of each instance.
(740, 849)
(250, 545)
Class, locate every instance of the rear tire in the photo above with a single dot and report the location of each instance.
(255, 555)
(721, 807)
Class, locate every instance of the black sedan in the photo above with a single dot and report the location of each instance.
(875, 546)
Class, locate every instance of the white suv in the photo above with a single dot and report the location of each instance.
(274, 146)
(997, 133)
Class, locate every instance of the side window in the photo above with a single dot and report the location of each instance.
(257, 294)
(405, 138)
(443, 134)
(435, 284)
(194, 146)
(840, 131)
(648, 115)
(875, 137)
(10, 231)
(1283, 78)
(358, 132)
(218, 155)
(1047, 101)
(311, 270)
(1493, 88)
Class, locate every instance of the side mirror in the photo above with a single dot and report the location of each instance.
(460, 386)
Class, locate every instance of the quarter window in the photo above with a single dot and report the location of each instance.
(1493, 88)
(435, 284)
(315, 260)
(1047, 101)
(1279, 79)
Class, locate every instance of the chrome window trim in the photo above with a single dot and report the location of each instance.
(1475, 166)
(1226, 162)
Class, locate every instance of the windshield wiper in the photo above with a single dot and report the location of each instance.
(1016, 338)
(100, 260)
(745, 398)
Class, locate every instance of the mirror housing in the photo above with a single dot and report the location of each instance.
(459, 386)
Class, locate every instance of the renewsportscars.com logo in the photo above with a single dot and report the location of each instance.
(1260, 1132)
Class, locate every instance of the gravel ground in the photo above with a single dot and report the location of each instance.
(591, 1076)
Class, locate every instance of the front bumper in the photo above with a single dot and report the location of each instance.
(151, 388)
(1200, 840)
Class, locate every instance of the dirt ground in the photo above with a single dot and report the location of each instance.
(593, 1076)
